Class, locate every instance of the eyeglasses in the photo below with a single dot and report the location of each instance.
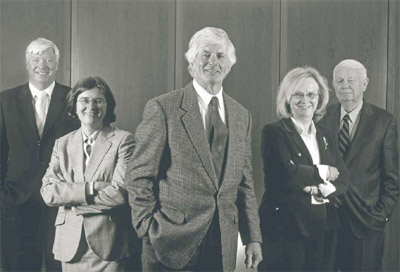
(310, 96)
(87, 101)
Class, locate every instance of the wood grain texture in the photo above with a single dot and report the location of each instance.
(23, 21)
(391, 259)
(253, 27)
(130, 45)
(322, 33)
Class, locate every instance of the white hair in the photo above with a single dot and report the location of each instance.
(351, 63)
(205, 36)
(39, 45)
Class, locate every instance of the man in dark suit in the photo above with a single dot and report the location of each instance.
(189, 180)
(367, 138)
(32, 117)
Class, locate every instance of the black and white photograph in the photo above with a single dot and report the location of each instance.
(199, 135)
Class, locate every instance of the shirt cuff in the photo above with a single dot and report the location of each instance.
(323, 171)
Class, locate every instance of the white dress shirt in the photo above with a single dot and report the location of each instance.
(204, 99)
(35, 91)
(309, 137)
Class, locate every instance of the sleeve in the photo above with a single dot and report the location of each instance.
(114, 194)
(278, 159)
(151, 137)
(56, 191)
(249, 222)
(389, 192)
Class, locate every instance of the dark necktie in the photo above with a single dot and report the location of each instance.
(217, 133)
(344, 136)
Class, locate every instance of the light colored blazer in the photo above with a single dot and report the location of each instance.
(104, 219)
(173, 189)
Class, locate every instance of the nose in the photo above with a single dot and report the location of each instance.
(213, 59)
(346, 83)
(42, 63)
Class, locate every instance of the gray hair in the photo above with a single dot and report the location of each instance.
(351, 63)
(291, 83)
(39, 45)
(209, 35)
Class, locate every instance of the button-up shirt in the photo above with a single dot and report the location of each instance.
(204, 99)
(354, 116)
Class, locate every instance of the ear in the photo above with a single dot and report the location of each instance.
(366, 81)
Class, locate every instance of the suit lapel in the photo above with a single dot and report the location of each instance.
(288, 125)
(27, 110)
(332, 119)
(193, 124)
(363, 129)
(100, 149)
(75, 153)
(57, 104)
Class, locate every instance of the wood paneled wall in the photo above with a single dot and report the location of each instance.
(138, 48)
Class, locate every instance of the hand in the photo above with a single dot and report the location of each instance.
(100, 185)
(253, 255)
(334, 173)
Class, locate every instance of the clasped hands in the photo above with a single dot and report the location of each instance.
(324, 189)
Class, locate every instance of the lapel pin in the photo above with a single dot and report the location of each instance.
(299, 154)
(326, 143)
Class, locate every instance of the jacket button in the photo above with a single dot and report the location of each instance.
(38, 143)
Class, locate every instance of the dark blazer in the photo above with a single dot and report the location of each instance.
(288, 168)
(372, 162)
(105, 220)
(173, 189)
(24, 158)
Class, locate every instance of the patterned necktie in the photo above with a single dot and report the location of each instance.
(88, 148)
(217, 134)
(344, 136)
(40, 108)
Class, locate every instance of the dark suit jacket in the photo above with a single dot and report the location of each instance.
(24, 156)
(288, 168)
(173, 189)
(105, 220)
(372, 162)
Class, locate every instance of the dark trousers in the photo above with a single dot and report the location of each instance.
(27, 236)
(355, 254)
(208, 256)
(290, 252)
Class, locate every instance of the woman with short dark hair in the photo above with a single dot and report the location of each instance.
(85, 179)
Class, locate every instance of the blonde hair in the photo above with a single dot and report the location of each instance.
(291, 83)
(39, 45)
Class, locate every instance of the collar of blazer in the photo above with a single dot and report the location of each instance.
(193, 124)
(321, 135)
(100, 149)
(57, 105)
(363, 129)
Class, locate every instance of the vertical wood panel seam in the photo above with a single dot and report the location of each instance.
(74, 42)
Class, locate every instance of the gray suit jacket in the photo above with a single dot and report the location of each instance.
(372, 162)
(173, 189)
(105, 219)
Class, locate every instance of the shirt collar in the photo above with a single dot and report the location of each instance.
(93, 136)
(204, 97)
(353, 114)
(301, 130)
(48, 90)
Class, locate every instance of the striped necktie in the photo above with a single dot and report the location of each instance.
(344, 136)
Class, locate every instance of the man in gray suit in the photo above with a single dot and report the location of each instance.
(367, 137)
(189, 180)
